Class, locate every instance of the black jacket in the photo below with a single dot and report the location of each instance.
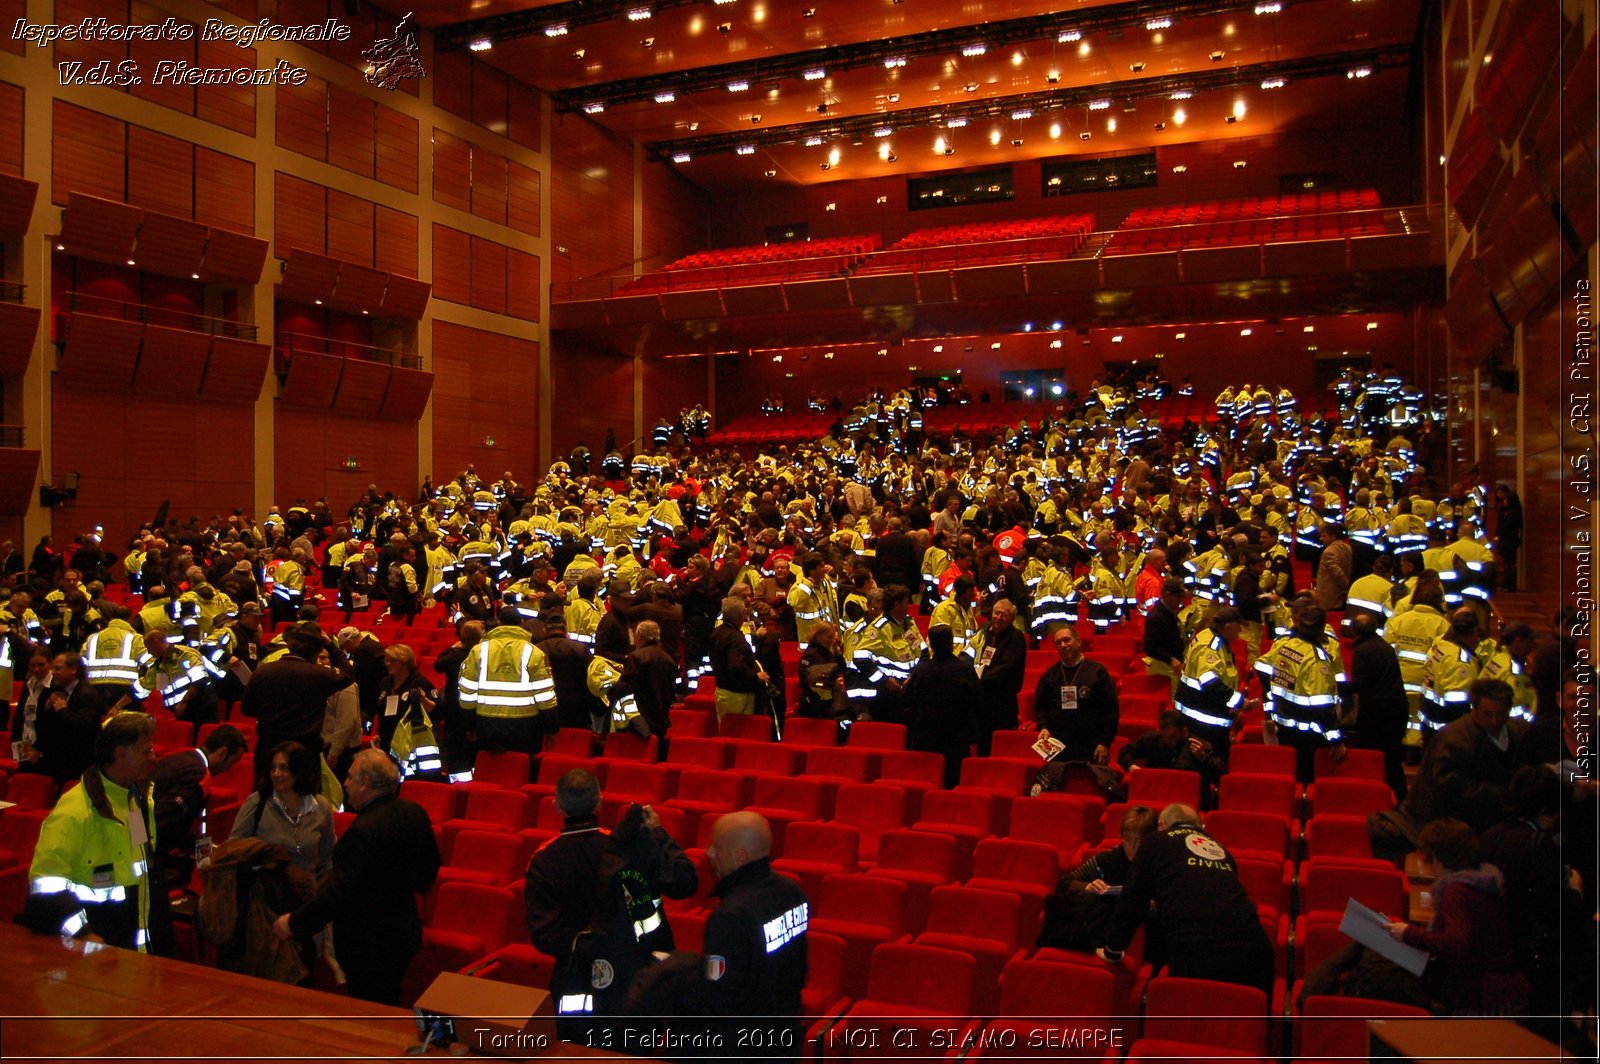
(941, 700)
(1094, 721)
(1377, 693)
(65, 737)
(652, 675)
(1194, 882)
(755, 952)
(569, 669)
(895, 561)
(1163, 635)
(386, 857)
(733, 663)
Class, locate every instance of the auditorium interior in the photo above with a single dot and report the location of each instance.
(563, 222)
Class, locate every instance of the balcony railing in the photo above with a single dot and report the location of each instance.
(289, 343)
(1191, 234)
(81, 302)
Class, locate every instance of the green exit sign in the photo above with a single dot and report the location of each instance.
(352, 462)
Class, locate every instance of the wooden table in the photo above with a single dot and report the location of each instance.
(79, 1001)
(1454, 1041)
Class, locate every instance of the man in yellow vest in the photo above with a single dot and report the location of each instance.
(506, 682)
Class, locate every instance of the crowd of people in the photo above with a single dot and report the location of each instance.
(600, 597)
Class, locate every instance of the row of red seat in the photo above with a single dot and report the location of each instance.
(1253, 207)
(1234, 234)
(982, 232)
(798, 249)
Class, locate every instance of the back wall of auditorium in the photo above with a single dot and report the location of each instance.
(222, 295)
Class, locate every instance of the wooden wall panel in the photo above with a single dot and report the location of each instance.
(204, 465)
(303, 118)
(605, 380)
(352, 130)
(485, 386)
(591, 177)
(523, 287)
(489, 97)
(526, 118)
(395, 151)
(350, 228)
(488, 275)
(452, 264)
(452, 171)
(88, 154)
(489, 185)
(229, 106)
(314, 444)
(10, 11)
(671, 385)
(160, 172)
(395, 238)
(452, 83)
(224, 191)
(177, 96)
(301, 214)
(90, 52)
(522, 198)
(11, 99)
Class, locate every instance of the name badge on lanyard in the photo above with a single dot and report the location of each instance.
(1069, 697)
(138, 831)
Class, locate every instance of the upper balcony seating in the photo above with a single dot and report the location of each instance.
(1254, 220)
(763, 264)
(982, 244)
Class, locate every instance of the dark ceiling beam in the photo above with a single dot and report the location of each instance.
(935, 43)
(1342, 64)
(540, 20)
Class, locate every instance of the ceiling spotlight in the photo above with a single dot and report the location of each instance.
(1179, 336)
(745, 149)
(721, 3)
(1017, 143)
(1182, 94)
(1052, 77)
(1179, 116)
(1216, 57)
(822, 108)
(1111, 125)
(639, 14)
(971, 86)
(739, 85)
(482, 44)
(955, 123)
(949, 151)
(1245, 332)
(772, 173)
(813, 142)
(1099, 105)
(681, 157)
(1372, 326)
(1359, 72)
(1018, 116)
(894, 62)
(1068, 36)
(809, 12)
(1230, 119)
(666, 97)
(1309, 328)
(975, 49)
(894, 97)
(891, 158)
(1271, 8)
(1180, 169)
(593, 108)
(815, 74)
(1136, 67)
(1273, 83)
(648, 42)
(883, 131)
(823, 166)
(1085, 135)
(1117, 339)
(579, 53)
(556, 29)
(755, 120)
(1158, 24)
(1238, 164)
(724, 27)
(1160, 126)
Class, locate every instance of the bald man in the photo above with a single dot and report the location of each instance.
(755, 940)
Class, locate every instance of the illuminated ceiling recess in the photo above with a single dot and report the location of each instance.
(685, 78)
